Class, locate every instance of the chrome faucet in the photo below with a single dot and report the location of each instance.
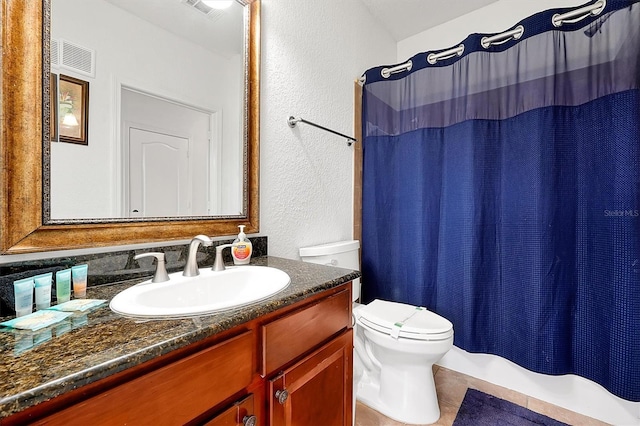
(218, 265)
(191, 267)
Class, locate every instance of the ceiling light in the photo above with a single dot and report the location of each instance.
(218, 4)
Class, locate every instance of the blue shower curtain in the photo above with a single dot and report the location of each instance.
(501, 189)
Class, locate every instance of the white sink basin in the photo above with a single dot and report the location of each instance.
(208, 293)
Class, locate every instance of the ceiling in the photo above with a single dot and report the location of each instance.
(220, 32)
(404, 18)
(401, 18)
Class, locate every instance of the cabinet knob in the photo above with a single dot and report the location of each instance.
(250, 420)
(282, 396)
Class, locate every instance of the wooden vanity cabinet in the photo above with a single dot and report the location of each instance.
(310, 383)
(317, 389)
(173, 394)
(290, 367)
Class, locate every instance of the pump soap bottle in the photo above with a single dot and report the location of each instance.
(241, 251)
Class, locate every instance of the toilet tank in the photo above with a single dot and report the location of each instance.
(342, 254)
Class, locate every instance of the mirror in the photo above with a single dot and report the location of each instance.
(28, 221)
(164, 126)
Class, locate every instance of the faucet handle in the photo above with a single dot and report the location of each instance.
(160, 275)
(218, 264)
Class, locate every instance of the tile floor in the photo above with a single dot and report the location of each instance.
(451, 387)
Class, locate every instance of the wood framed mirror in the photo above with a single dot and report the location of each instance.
(25, 133)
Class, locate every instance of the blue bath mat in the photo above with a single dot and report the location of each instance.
(480, 409)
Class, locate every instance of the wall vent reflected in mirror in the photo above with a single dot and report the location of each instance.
(73, 57)
(200, 6)
(55, 54)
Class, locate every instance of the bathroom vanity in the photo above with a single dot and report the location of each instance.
(286, 360)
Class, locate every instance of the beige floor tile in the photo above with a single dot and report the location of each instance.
(366, 416)
(561, 414)
(448, 414)
(450, 386)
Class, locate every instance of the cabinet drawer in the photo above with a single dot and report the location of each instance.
(173, 394)
(285, 339)
(238, 415)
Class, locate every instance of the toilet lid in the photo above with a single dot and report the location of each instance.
(407, 321)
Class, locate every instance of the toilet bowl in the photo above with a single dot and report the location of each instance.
(395, 347)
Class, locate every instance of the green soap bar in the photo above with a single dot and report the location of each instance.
(36, 320)
(80, 305)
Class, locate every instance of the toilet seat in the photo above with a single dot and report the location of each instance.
(400, 320)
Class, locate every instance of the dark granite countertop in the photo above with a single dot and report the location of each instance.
(37, 366)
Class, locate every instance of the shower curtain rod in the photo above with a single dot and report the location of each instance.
(557, 20)
(292, 121)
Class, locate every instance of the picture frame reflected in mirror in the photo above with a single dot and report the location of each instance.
(53, 119)
(73, 110)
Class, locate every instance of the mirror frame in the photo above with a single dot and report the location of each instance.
(24, 68)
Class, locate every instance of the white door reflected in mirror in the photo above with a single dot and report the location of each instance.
(159, 174)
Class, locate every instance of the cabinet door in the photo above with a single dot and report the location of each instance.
(317, 390)
(240, 414)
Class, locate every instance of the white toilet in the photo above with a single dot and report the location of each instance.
(395, 346)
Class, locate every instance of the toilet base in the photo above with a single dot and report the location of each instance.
(417, 404)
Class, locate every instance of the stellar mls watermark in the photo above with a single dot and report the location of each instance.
(622, 213)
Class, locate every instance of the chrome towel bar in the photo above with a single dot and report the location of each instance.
(292, 121)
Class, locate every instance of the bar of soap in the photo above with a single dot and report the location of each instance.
(36, 320)
(77, 305)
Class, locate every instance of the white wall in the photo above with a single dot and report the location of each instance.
(312, 52)
(175, 69)
(569, 391)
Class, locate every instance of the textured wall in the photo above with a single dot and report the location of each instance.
(312, 51)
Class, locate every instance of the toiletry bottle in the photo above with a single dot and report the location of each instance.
(79, 279)
(23, 292)
(63, 285)
(43, 290)
(242, 249)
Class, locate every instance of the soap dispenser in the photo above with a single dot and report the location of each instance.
(242, 248)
